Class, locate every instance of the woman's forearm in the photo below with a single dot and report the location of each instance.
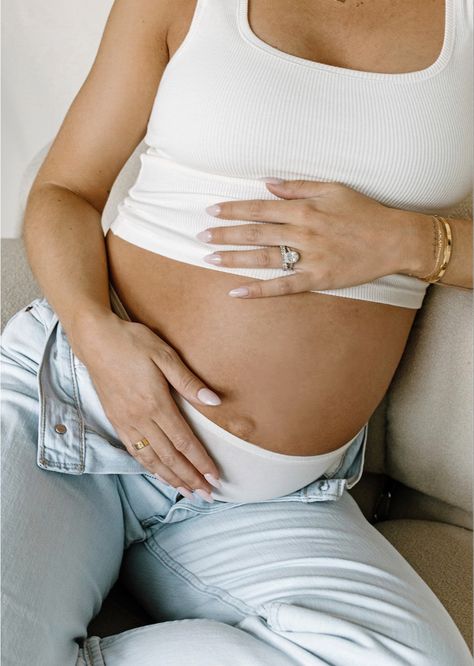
(65, 247)
(418, 249)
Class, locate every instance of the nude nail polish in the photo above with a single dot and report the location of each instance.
(212, 480)
(185, 492)
(205, 236)
(205, 496)
(213, 258)
(239, 292)
(208, 397)
(213, 210)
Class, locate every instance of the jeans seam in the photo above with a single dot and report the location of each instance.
(42, 404)
(82, 443)
(38, 319)
(32, 309)
(362, 452)
(89, 655)
(91, 649)
(273, 615)
(59, 465)
(195, 582)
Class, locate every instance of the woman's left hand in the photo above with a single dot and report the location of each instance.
(344, 238)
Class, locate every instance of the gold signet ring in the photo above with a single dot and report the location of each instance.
(141, 444)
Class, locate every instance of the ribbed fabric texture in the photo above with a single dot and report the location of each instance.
(231, 109)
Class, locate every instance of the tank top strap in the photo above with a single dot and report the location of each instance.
(213, 21)
(461, 34)
(465, 9)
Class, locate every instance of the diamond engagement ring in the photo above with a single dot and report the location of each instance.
(289, 257)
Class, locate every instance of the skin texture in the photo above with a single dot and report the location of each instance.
(186, 329)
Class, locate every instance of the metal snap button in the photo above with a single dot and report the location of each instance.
(324, 485)
(60, 428)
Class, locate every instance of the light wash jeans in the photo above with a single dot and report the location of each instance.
(301, 580)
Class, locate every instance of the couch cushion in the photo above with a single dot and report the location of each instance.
(442, 555)
(429, 410)
(18, 284)
(406, 502)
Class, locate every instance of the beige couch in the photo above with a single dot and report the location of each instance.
(417, 484)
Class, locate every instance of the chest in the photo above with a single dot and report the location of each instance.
(370, 35)
(263, 96)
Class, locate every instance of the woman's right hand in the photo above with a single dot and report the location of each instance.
(130, 367)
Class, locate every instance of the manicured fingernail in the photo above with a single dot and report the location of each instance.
(213, 258)
(213, 481)
(213, 210)
(205, 236)
(208, 397)
(185, 492)
(204, 495)
(240, 291)
(272, 181)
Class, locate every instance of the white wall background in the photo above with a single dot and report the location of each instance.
(48, 47)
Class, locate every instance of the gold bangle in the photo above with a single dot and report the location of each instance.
(445, 243)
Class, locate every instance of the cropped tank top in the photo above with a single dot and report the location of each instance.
(231, 109)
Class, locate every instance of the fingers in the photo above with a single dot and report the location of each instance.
(259, 210)
(185, 382)
(171, 420)
(146, 456)
(291, 284)
(183, 439)
(161, 459)
(250, 234)
(171, 458)
(269, 257)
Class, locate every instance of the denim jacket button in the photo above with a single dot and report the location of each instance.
(60, 428)
(324, 485)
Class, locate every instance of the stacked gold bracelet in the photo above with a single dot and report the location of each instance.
(444, 242)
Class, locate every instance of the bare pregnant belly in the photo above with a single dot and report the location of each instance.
(299, 374)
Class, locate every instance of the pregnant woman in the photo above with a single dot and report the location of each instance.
(190, 398)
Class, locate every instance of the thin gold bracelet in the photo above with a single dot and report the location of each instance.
(445, 244)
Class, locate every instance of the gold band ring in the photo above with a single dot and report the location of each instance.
(141, 444)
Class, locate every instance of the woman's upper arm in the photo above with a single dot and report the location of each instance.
(108, 117)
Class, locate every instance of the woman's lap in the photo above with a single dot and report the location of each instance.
(315, 575)
(295, 580)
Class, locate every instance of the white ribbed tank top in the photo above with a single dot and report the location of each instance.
(231, 109)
